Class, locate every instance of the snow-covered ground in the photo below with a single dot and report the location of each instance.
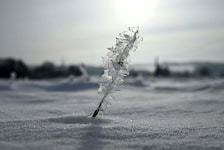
(158, 114)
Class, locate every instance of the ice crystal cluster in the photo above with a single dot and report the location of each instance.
(116, 65)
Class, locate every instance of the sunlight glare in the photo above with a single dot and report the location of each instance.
(134, 12)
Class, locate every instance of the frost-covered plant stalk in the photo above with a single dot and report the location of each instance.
(116, 65)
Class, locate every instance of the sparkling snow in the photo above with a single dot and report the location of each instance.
(154, 114)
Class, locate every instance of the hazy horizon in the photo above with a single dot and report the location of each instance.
(80, 31)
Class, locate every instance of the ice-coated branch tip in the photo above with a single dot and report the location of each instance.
(116, 65)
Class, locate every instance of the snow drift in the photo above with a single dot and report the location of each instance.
(157, 114)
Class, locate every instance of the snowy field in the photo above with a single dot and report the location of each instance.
(157, 114)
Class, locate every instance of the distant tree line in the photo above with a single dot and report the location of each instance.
(200, 70)
(11, 66)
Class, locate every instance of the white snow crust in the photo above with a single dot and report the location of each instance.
(148, 114)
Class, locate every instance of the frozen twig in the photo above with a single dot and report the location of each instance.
(116, 65)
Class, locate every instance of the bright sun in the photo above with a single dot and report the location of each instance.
(133, 12)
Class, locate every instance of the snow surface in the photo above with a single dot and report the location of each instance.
(154, 114)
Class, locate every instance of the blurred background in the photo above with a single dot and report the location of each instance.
(58, 38)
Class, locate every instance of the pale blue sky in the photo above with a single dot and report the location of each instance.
(80, 30)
